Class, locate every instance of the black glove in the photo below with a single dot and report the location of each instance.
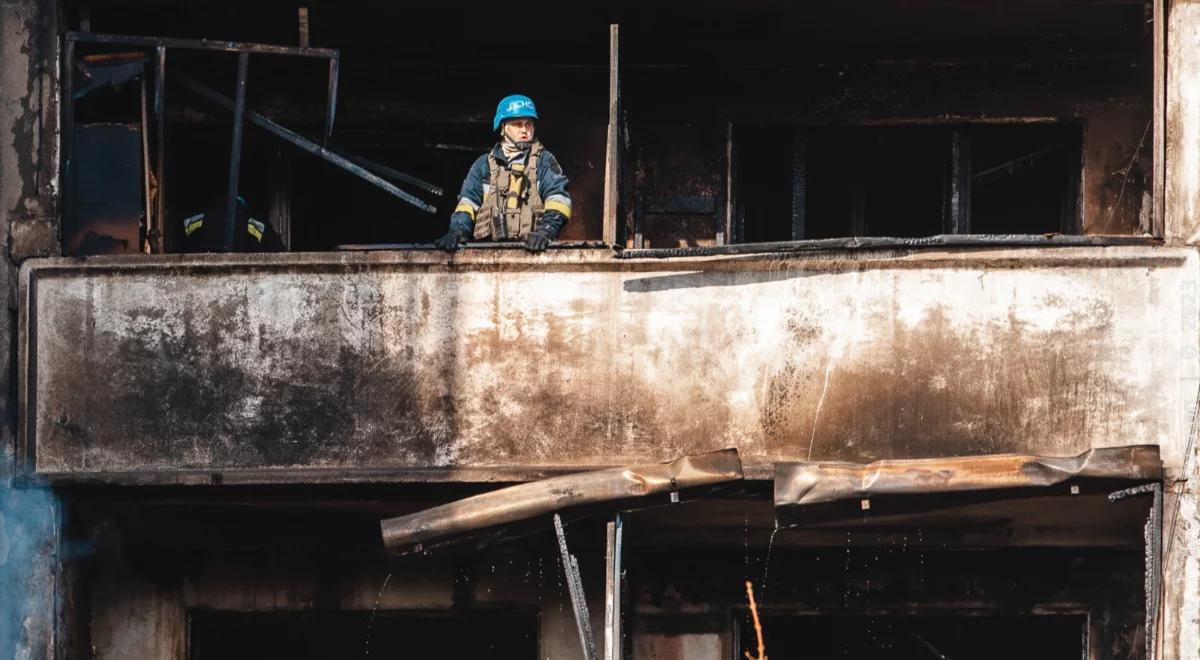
(537, 240)
(452, 241)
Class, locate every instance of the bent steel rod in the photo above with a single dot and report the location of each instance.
(304, 143)
(392, 173)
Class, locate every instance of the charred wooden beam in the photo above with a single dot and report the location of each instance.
(160, 139)
(612, 151)
(799, 184)
(68, 132)
(198, 44)
(335, 65)
(583, 619)
(615, 532)
(1152, 536)
(235, 150)
(959, 218)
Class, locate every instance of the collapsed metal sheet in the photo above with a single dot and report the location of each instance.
(529, 500)
(799, 484)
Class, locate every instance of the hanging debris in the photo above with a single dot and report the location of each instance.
(525, 501)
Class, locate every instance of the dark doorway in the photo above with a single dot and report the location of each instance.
(325, 635)
(849, 637)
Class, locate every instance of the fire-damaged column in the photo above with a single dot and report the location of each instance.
(1180, 629)
(28, 227)
(1181, 207)
(29, 127)
(1179, 604)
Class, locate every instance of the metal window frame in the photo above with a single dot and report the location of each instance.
(156, 218)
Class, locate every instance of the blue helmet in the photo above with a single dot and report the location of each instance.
(511, 107)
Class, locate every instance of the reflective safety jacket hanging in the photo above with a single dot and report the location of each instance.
(512, 205)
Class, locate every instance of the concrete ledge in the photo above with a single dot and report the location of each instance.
(497, 365)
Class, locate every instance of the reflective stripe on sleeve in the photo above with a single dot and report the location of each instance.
(560, 203)
(255, 228)
(192, 223)
(466, 206)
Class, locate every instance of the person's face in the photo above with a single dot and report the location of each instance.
(519, 130)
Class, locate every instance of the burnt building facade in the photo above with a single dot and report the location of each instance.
(886, 309)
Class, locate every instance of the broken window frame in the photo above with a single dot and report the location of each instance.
(800, 488)
(727, 235)
(154, 219)
(805, 488)
(498, 512)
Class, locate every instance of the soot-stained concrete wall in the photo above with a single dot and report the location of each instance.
(493, 360)
(29, 127)
(29, 551)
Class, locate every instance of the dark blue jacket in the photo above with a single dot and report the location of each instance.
(552, 187)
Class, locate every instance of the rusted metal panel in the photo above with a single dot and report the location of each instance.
(526, 501)
(799, 484)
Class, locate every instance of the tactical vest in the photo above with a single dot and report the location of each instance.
(511, 205)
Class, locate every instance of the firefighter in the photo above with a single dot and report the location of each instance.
(202, 234)
(515, 192)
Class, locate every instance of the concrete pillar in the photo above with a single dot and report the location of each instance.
(1180, 624)
(1182, 162)
(29, 521)
(29, 127)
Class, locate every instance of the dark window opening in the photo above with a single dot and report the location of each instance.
(1024, 179)
(905, 181)
(764, 184)
(1050, 637)
(108, 196)
(874, 182)
(386, 634)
